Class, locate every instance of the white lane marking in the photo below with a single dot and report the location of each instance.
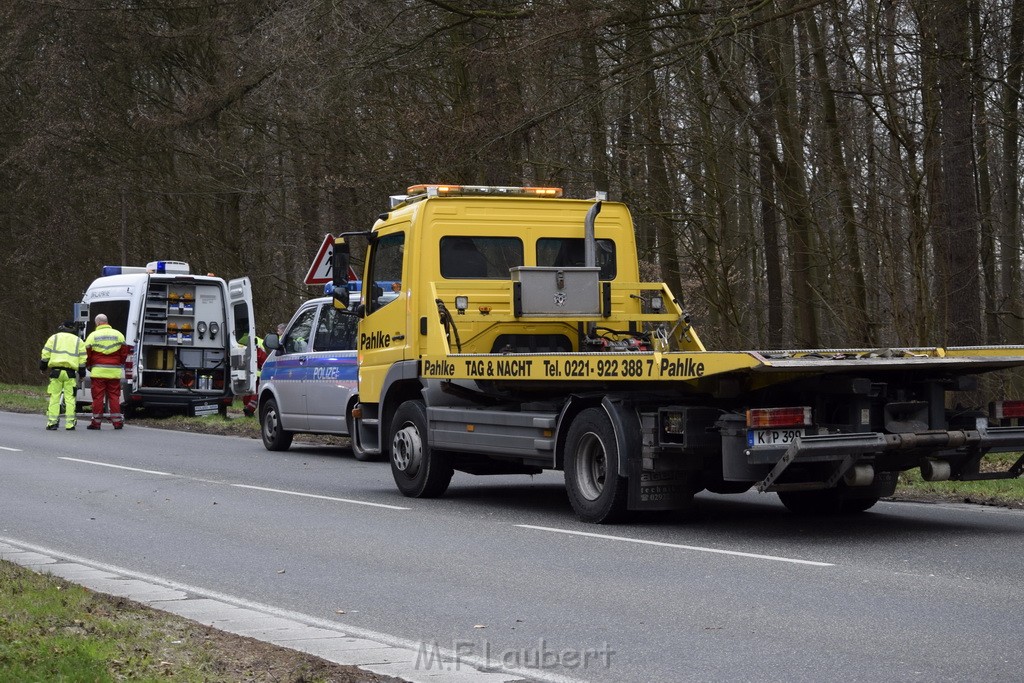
(5, 448)
(240, 486)
(119, 467)
(488, 664)
(680, 546)
(313, 495)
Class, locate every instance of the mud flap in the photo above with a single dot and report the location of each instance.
(658, 490)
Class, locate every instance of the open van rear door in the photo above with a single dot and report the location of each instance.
(243, 356)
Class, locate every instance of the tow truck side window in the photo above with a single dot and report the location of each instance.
(296, 339)
(568, 252)
(386, 266)
(480, 258)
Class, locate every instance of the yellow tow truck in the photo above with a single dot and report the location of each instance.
(506, 330)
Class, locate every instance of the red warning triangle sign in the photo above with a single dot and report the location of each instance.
(321, 271)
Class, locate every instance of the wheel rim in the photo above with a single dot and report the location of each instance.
(270, 424)
(591, 466)
(407, 449)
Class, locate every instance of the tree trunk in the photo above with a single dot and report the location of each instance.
(793, 188)
(956, 245)
(766, 198)
(660, 193)
(593, 100)
(989, 238)
(1013, 319)
(856, 315)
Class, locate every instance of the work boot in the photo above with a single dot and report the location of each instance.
(93, 425)
(52, 426)
(119, 425)
(69, 428)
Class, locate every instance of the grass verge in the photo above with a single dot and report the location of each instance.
(52, 630)
(1002, 492)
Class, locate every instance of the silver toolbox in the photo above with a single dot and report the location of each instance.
(556, 292)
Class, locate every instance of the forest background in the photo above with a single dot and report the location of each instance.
(805, 173)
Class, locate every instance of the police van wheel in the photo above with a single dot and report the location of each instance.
(419, 471)
(596, 490)
(274, 437)
(357, 451)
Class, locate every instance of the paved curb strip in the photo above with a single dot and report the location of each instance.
(376, 652)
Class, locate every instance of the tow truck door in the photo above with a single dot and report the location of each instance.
(243, 357)
(383, 330)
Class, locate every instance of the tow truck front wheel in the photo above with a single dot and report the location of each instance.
(419, 471)
(596, 489)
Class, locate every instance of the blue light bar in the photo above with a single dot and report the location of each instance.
(111, 270)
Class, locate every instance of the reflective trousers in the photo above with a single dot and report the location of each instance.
(64, 385)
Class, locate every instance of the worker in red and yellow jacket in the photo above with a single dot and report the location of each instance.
(106, 353)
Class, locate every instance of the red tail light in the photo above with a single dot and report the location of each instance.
(1006, 410)
(129, 369)
(761, 418)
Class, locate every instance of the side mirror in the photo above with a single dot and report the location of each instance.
(272, 342)
(339, 272)
(341, 298)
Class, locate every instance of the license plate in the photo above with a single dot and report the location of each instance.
(772, 437)
(205, 409)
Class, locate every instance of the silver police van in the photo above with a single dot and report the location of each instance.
(308, 383)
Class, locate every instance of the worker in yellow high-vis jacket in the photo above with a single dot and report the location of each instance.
(63, 359)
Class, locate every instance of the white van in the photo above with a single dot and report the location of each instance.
(192, 336)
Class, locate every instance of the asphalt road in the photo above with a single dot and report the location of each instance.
(742, 590)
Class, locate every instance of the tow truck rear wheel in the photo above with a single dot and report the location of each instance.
(419, 470)
(274, 437)
(596, 490)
